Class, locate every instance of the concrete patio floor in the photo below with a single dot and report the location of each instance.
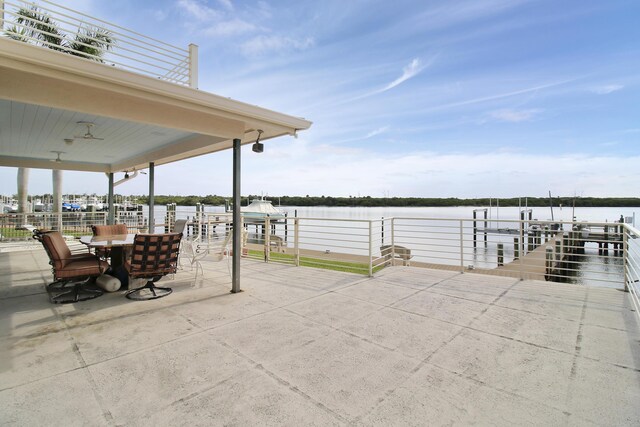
(302, 346)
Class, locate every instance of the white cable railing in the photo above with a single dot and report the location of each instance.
(632, 264)
(68, 31)
(585, 253)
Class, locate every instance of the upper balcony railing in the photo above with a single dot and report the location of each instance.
(65, 30)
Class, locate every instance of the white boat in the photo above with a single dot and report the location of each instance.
(38, 206)
(93, 203)
(10, 206)
(259, 209)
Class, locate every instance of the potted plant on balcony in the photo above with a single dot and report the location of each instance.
(34, 26)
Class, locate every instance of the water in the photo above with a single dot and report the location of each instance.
(609, 214)
(426, 242)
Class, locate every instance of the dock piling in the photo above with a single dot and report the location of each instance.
(500, 254)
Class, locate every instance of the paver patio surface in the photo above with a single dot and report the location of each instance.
(302, 346)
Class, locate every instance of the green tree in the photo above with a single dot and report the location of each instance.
(33, 26)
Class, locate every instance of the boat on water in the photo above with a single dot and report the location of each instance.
(259, 209)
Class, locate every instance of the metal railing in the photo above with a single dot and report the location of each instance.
(631, 264)
(18, 226)
(602, 254)
(71, 32)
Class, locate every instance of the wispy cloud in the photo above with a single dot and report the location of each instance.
(606, 89)
(233, 27)
(514, 116)
(264, 44)
(198, 10)
(227, 4)
(377, 132)
(413, 69)
(500, 95)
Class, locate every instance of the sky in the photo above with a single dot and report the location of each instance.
(431, 98)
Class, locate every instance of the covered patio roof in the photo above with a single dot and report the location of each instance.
(44, 94)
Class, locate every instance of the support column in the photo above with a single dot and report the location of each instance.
(152, 203)
(111, 216)
(237, 228)
(23, 190)
(56, 208)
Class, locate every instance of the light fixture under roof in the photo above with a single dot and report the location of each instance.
(57, 159)
(88, 135)
(258, 147)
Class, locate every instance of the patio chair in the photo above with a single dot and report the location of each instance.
(108, 230)
(70, 268)
(195, 251)
(179, 225)
(153, 257)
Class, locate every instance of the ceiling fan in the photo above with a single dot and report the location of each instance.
(88, 135)
(57, 159)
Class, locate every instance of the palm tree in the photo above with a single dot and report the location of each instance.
(33, 26)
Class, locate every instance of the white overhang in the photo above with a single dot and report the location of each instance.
(44, 94)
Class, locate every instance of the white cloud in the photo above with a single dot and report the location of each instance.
(227, 4)
(606, 89)
(233, 27)
(198, 10)
(263, 44)
(413, 69)
(377, 132)
(514, 116)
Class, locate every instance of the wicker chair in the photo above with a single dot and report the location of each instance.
(70, 268)
(153, 257)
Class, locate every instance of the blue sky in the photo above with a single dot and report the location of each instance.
(408, 98)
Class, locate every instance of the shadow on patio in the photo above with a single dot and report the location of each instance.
(301, 346)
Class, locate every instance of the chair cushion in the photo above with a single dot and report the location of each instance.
(57, 249)
(109, 230)
(82, 268)
(154, 255)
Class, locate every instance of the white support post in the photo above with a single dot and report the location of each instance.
(393, 240)
(193, 66)
(296, 240)
(461, 248)
(152, 221)
(267, 238)
(370, 249)
(625, 256)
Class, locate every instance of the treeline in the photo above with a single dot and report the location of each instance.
(369, 201)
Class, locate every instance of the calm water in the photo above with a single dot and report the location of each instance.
(366, 213)
(414, 236)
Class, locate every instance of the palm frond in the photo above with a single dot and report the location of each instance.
(39, 25)
(91, 43)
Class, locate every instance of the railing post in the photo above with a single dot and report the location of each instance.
(625, 255)
(521, 255)
(193, 66)
(296, 240)
(370, 248)
(393, 240)
(461, 248)
(267, 238)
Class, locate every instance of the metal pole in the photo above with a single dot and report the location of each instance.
(370, 249)
(625, 257)
(111, 216)
(296, 239)
(237, 236)
(152, 202)
(461, 249)
(267, 238)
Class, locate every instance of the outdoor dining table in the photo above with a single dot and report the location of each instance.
(116, 243)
